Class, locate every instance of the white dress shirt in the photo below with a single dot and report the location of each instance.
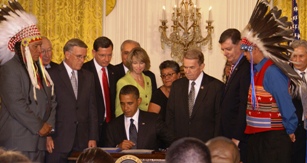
(69, 71)
(197, 85)
(99, 73)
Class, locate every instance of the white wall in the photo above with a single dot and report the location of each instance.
(140, 20)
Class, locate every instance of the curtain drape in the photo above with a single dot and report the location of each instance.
(286, 6)
(61, 20)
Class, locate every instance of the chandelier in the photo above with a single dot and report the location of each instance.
(186, 31)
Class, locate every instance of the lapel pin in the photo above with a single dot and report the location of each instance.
(143, 123)
(202, 87)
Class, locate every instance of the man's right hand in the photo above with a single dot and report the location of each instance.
(126, 144)
(292, 137)
(49, 144)
(45, 130)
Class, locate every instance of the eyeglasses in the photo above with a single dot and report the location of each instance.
(47, 51)
(163, 76)
(80, 57)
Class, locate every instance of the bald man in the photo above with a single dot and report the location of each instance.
(223, 150)
(47, 53)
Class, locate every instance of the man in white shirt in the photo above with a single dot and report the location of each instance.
(76, 118)
(299, 60)
(136, 128)
(193, 108)
(105, 83)
(47, 53)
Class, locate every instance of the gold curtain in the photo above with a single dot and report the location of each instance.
(286, 6)
(61, 20)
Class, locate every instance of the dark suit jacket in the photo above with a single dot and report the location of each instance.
(233, 106)
(52, 64)
(204, 123)
(75, 118)
(120, 71)
(299, 146)
(90, 66)
(151, 130)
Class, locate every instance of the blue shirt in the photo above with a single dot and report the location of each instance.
(276, 83)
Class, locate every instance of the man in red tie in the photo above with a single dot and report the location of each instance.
(105, 82)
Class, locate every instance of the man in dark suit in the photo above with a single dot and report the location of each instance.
(121, 69)
(150, 128)
(47, 53)
(299, 59)
(234, 101)
(76, 118)
(193, 108)
(105, 97)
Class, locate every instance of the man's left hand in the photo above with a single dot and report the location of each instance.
(92, 143)
(236, 141)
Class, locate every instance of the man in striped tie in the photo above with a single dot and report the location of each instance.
(76, 119)
(234, 101)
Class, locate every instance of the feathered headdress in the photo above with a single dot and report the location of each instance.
(271, 33)
(16, 25)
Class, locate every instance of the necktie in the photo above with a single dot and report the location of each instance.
(191, 97)
(303, 77)
(133, 135)
(106, 94)
(74, 83)
(231, 70)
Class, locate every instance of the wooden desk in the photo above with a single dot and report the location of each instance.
(153, 157)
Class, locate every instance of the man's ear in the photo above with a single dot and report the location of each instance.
(139, 101)
(93, 53)
(202, 66)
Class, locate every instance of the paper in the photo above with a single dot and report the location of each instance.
(137, 151)
(112, 150)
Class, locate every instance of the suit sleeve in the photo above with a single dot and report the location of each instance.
(241, 120)
(170, 109)
(16, 98)
(109, 139)
(51, 119)
(164, 134)
(219, 88)
(93, 117)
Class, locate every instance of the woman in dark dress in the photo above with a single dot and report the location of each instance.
(170, 71)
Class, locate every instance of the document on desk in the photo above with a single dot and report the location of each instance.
(112, 150)
(137, 151)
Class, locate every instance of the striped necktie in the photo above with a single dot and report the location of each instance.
(303, 77)
(133, 134)
(74, 83)
(191, 98)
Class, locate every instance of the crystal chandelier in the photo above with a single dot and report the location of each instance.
(186, 31)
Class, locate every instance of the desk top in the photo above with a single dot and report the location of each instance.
(154, 155)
